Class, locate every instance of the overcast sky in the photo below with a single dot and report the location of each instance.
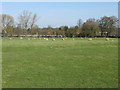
(62, 13)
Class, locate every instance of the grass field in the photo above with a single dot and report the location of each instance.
(70, 63)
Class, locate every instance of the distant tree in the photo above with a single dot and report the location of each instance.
(62, 32)
(77, 31)
(27, 20)
(10, 30)
(91, 20)
(5, 22)
(90, 28)
(107, 24)
(34, 30)
(71, 32)
(79, 23)
(34, 19)
(18, 31)
(66, 29)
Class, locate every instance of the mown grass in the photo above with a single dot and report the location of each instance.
(71, 63)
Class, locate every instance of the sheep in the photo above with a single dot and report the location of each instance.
(107, 39)
(10, 38)
(90, 39)
(63, 39)
(21, 37)
(28, 38)
(53, 39)
(46, 38)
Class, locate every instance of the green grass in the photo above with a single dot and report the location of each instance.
(71, 63)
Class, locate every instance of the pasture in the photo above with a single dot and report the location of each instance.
(78, 63)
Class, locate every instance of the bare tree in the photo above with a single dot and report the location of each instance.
(24, 19)
(6, 20)
(79, 23)
(34, 20)
(27, 20)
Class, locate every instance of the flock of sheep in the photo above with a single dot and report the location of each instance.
(53, 39)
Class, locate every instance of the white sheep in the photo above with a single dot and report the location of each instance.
(46, 38)
(107, 39)
(90, 39)
(21, 37)
(28, 38)
(10, 38)
(53, 39)
(63, 39)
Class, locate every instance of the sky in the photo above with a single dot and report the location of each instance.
(58, 14)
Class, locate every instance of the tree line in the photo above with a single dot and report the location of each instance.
(106, 26)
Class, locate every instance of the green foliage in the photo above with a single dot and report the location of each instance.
(90, 28)
(106, 26)
(10, 31)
